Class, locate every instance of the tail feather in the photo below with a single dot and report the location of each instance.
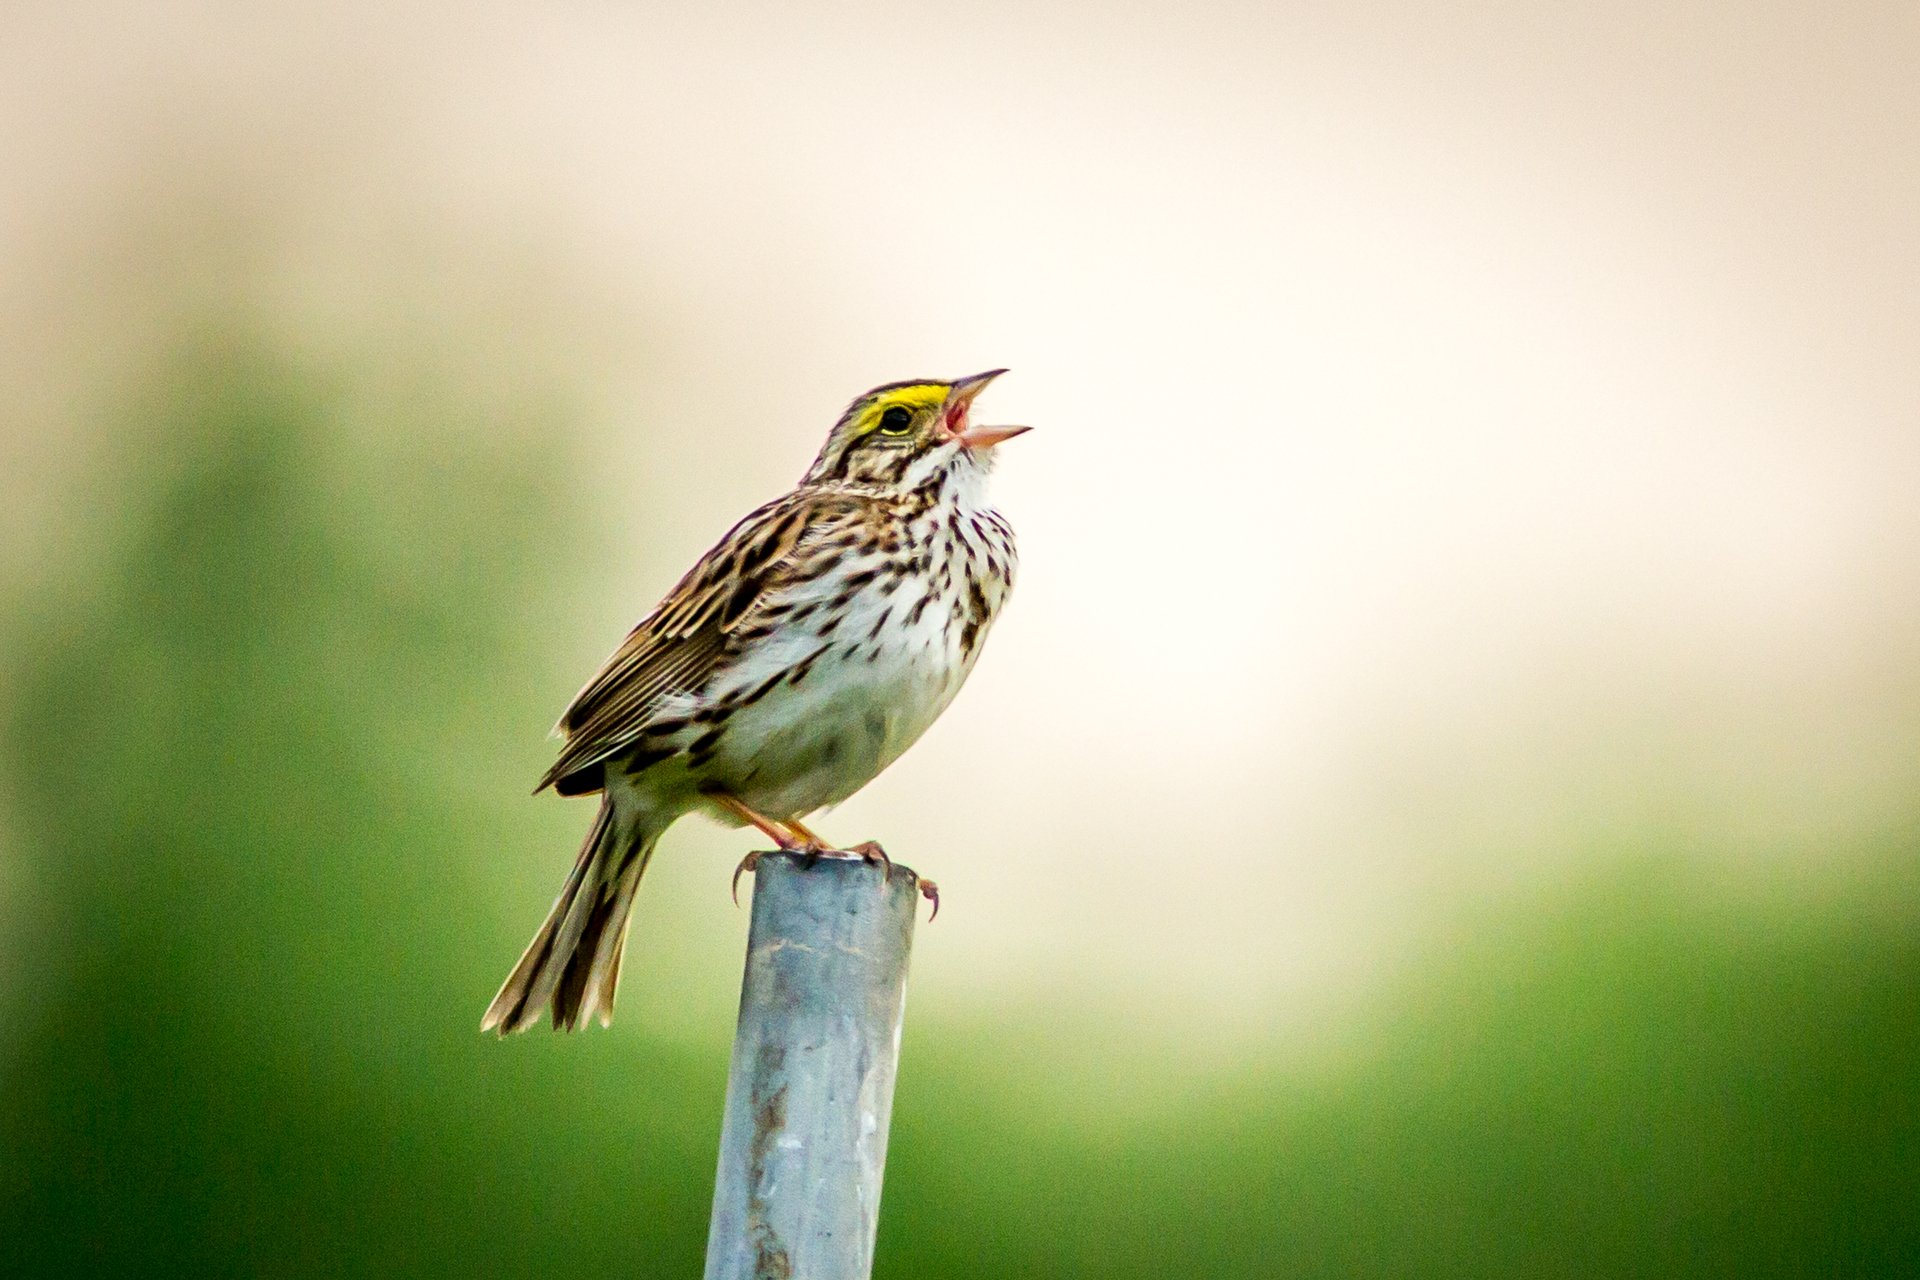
(586, 986)
(573, 963)
(604, 978)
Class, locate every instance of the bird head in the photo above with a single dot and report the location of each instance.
(905, 434)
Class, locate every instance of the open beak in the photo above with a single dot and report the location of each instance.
(960, 400)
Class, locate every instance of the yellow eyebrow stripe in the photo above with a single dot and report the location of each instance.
(925, 395)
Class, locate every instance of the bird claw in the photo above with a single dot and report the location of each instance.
(871, 853)
(748, 863)
(810, 852)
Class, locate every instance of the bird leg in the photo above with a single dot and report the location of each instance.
(780, 833)
(814, 845)
(794, 836)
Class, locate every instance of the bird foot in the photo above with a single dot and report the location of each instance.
(868, 851)
(872, 854)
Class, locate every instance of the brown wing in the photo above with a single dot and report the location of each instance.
(675, 648)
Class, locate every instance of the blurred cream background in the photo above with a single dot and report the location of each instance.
(1426, 407)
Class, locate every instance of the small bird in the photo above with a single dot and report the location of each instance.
(801, 656)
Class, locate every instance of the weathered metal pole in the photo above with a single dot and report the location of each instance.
(810, 1091)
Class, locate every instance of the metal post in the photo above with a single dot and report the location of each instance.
(810, 1090)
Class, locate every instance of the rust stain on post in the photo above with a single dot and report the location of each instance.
(770, 1258)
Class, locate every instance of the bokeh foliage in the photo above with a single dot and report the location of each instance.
(257, 771)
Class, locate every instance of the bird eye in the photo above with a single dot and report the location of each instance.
(895, 421)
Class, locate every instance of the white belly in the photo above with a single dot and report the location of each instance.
(814, 741)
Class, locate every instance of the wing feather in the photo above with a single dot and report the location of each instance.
(676, 648)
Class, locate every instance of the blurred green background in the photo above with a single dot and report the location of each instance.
(1446, 806)
(255, 760)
